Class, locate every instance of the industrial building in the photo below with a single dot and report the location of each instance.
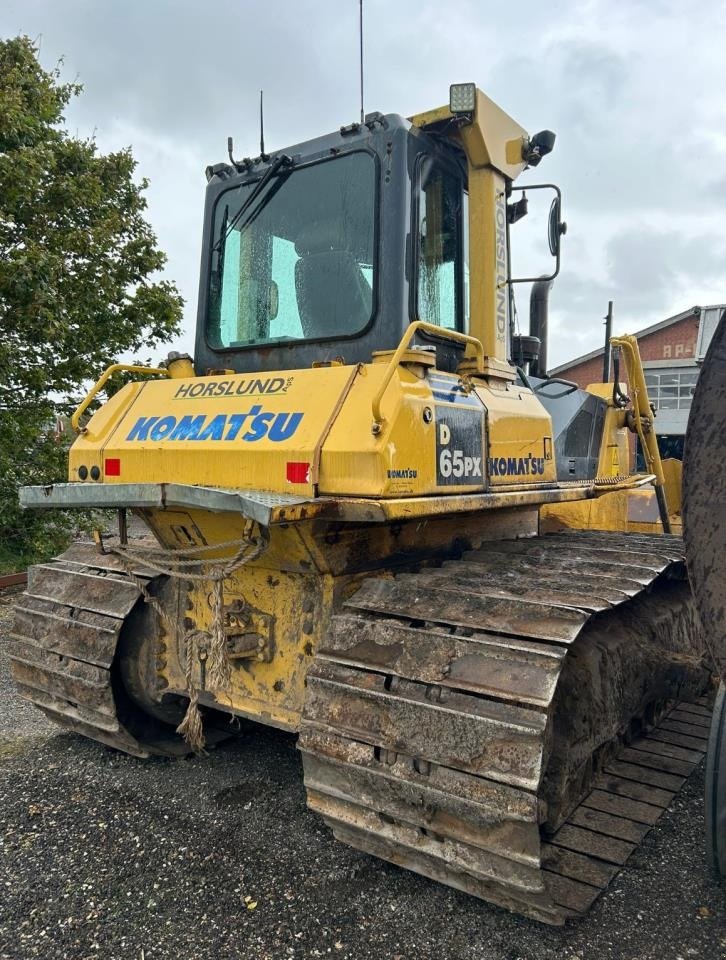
(672, 351)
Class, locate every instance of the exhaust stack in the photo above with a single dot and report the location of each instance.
(538, 319)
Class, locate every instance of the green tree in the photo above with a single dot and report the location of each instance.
(77, 287)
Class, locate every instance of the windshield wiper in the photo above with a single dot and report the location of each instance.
(219, 245)
(282, 161)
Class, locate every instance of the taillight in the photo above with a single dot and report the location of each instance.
(298, 472)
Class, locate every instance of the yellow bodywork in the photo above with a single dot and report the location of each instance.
(323, 435)
(287, 595)
(356, 436)
(309, 432)
(493, 143)
(367, 467)
(636, 509)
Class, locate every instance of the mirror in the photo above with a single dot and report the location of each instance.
(556, 228)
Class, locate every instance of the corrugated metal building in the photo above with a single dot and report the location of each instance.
(672, 351)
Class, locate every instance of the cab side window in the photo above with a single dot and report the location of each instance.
(440, 260)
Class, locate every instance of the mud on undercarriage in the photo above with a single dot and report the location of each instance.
(503, 722)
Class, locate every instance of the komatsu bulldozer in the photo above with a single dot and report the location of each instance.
(345, 493)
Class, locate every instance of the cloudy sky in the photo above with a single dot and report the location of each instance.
(633, 88)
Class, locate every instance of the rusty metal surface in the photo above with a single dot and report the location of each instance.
(13, 579)
(456, 802)
(84, 634)
(506, 571)
(533, 592)
(624, 553)
(593, 844)
(450, 716)
(568, 863)
(405, 597)
(568, 567)
(86, 556)
(669, 546)
(112, 595)
(499, 741)
(258, 505)
(610, 822)
(63, 649)
(483, 663)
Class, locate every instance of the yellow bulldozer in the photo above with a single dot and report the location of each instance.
(346, 492)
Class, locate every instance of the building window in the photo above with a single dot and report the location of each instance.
(671, 389)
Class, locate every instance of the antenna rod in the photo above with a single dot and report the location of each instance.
(262, 130)
(360, 8)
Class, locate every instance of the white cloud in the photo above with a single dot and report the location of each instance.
(633, 89)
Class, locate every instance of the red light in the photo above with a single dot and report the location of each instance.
(112, 467)
(298, 472)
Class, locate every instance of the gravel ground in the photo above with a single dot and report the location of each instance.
(216, 857)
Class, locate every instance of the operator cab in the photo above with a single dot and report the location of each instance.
(331, 249)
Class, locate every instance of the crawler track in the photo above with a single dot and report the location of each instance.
(504, 723)
(65, 651)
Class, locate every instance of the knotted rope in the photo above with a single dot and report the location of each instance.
(207, 649)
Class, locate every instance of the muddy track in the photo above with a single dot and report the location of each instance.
(65, 645)
(482, 722)
(486, 723)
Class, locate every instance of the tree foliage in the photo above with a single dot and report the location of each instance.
(29, 453)
(77, 266)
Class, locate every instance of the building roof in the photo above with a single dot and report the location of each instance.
(653, 328)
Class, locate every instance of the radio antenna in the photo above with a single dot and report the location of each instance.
(263, 156)
(360, 31)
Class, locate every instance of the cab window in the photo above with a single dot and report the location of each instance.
(440, 281)
(299, 263)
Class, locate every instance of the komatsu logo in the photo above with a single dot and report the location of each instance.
(516, 466)
(254, 425)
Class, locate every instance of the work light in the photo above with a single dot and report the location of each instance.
(462, 97)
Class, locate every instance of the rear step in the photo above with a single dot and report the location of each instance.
(490, 729)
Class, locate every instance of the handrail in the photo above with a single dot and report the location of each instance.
(648, 440)
(101, 382)
(431, 328)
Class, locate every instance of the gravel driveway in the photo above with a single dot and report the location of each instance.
(216, 857)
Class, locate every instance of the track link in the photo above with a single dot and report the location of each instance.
(487, 724)
(64, 650)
